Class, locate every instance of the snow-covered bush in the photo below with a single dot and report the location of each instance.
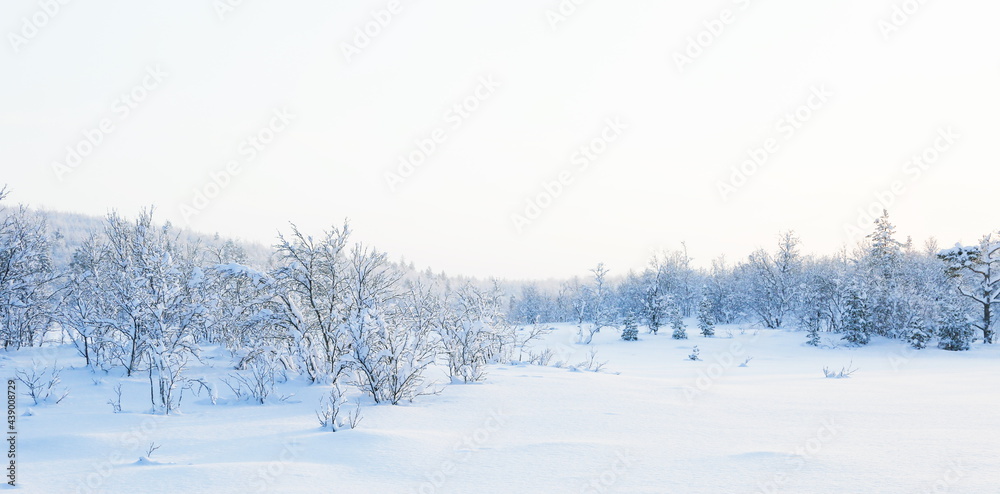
(542, 358)
(524, 336)
(41, 382)
(331, 413)
(591, 364)
(473, 331)
(844, 372)
(116, 402)
(466, 344)
(389, 355)
(256, 382)
(389, 333)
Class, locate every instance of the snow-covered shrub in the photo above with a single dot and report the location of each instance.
(542, 358)
(591, 364)
(474, 332)
(695, 353)
(116, 402)
(197, 385)
(151, 449)
(524, 336)
(331, 411)
(41, 383)
(466, 344)
(388, 355)
(844, 372)
(166, 376)
(256, 382)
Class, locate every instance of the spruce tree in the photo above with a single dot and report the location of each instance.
(955, 329)
(706, 322)
(812, 328)
(857, 319)
(882, 280)
(918, 334)
(677, 323)
(631, 329)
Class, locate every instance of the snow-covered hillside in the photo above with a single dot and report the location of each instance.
(651, 420)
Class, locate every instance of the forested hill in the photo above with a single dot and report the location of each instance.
(67, 231)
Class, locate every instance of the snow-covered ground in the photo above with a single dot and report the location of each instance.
(651, 420)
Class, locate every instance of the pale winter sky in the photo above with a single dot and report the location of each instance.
(641, 108)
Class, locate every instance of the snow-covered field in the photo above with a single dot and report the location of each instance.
(651, 420)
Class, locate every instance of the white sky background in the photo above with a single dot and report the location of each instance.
(653, 188)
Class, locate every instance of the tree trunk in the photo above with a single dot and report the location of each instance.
(987, 323)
